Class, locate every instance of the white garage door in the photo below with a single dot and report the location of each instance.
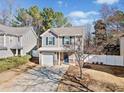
(47, 60)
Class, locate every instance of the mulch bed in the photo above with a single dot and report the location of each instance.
(71, 81)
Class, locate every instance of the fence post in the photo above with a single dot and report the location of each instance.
(106, 59)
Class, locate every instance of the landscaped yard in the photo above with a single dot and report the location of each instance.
(12, 62)
(96, 78)
(30, 78)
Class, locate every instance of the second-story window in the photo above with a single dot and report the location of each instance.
(67, 40)
(50, 40)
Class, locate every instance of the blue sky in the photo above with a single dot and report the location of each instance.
(79, 11)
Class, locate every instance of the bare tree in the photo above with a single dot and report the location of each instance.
(10, 4)
(116, 20)
(105, 12)
(78, 49)
(4, 16)
(88, 35)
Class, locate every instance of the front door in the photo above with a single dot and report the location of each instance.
(66, 59)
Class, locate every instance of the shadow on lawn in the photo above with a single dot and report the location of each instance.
(41, 73)
(54, 76)
(75, 83)
(71, 82)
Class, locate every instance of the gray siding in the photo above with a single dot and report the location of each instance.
(29, 41)
(58, 40)
(11, 41)
(44, 40)
(1, 40)
(6, 53)
(16, 40)
(73, 40)
(61, 41)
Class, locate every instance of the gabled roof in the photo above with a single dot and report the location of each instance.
(16, 31)
(66, 31)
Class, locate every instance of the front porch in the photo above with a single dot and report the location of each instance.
(17, 52)
(51, 58)
(65, 58)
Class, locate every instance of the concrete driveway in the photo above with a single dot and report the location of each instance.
(36, 79)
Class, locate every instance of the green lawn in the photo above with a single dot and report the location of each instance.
(12, 62)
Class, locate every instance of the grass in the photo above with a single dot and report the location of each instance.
(12, 62)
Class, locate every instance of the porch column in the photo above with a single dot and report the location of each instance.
(74, 42)
(21, 51)
(4, 40)
(74, 58)
(62, 57)
(59, 58)
(16, 52)
(55, 59)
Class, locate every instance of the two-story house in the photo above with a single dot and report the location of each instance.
(52, 51)
(16, 41)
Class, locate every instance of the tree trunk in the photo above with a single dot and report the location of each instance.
(81, 72)
(80, 67)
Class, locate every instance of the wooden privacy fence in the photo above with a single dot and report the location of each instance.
(106, 59)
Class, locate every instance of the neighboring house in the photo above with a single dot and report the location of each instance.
(52, 51)
(122, 45)
(16, 41)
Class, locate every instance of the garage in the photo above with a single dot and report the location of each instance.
(46, 59)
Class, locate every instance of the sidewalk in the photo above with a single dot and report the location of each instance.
(10, 74)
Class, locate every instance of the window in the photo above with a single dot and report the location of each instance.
(67, 40)
(50, 40)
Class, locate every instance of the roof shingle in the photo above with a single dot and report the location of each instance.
(68, 31)
(17, 31)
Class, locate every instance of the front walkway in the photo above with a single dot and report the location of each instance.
(36, 79)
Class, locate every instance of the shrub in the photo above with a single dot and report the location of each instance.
(12, 62)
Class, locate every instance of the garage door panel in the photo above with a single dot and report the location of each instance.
(47, 60)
